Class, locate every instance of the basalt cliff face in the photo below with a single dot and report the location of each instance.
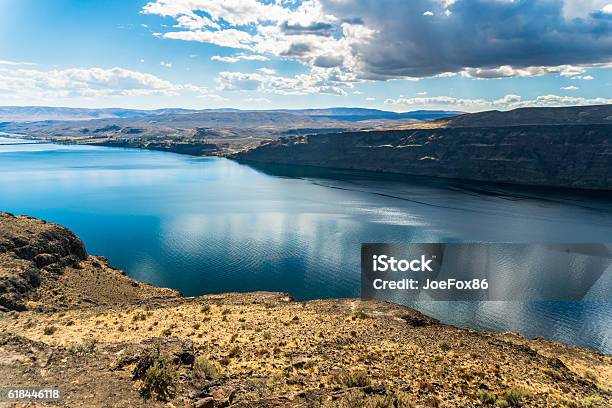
(572, 156)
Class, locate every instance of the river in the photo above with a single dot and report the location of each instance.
(210, 225)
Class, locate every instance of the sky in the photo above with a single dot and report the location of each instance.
(399, 55)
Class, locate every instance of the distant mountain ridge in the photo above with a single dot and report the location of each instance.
(50, 113)
(223, 128)
(368, 114)
(46, 113)
(571, 115)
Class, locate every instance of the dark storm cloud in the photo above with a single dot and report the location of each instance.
(324, 29)
(328, 61)
(297, 50)
(475, 33)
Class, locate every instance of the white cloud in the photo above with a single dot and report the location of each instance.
(199, 91)
(508, 100)
(607, 9)
(38, 85)
(437, 101)
(231, 38)
(240, 81)
(239, 57)
(370, 99)
(507, 71)
(422, 93)
(504, 103)
(257, 100)
(15, 63)
(194, 22)
(267, 71)
(166, 64)
(569, 88)
(582, 8)
(300, 31)
(583, 77)
(365, 42)
(234, 12)
(555, 100)
(303, 84)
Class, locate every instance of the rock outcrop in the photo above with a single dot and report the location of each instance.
(576, 156)
(44, 265)
(27, 248)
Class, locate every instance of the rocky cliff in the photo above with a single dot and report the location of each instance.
(44, 266)
(576, 156)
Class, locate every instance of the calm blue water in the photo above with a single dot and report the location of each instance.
(209, 225)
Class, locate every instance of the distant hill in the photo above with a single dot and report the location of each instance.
(46, 113)
(172, 124)
(42, 113)
(573, 115)
(208, 118)
(355, 114)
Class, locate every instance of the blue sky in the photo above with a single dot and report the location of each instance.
(388, 54)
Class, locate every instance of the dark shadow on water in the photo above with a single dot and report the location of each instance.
(595, 200)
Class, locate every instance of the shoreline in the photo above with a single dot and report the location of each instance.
(606, 193)
(481, 154)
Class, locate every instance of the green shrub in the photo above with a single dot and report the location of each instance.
(359, 399)
(359, 314)
(203, 368)
(391, 400)
(234, 351)
(486, 397)
(432, 401)
(516, 396)
(352, 399)
(351, 379)
(49, 330)
(591, 401)
(139, 317)
(86, 347)
(159, 375)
